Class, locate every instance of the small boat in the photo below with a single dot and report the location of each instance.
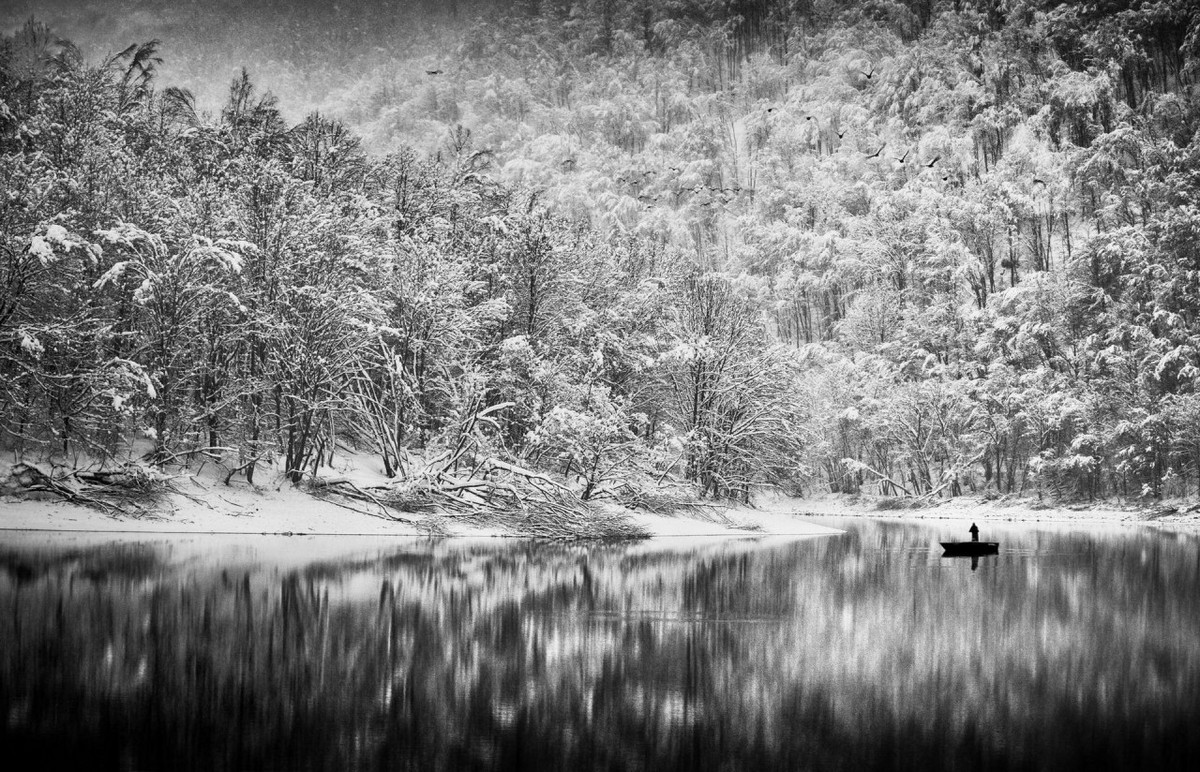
(970, 547)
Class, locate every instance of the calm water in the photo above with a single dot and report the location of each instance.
(1071, 649)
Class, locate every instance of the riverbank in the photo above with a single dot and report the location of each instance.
(1013, 509)
(200, 505)
(203, 504)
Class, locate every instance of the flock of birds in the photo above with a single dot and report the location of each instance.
(726, 195)
(901, 161)
(636, 180)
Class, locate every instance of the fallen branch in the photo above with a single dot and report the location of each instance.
(856, 465)
(210, 452)
(528, 474)
(335, 486)
(117, 492)
(242, 468)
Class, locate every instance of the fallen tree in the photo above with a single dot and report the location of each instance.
(130, 490)
(493, 492)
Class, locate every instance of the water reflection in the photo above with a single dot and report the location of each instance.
(974, 559)
(865, 650)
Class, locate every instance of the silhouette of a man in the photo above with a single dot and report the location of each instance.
(974, 532)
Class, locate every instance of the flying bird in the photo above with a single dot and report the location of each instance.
(1036, 181)
(434, 72)
(877, 152)
(868, 75)
(903, 158)
(931, 163)
(841, 133)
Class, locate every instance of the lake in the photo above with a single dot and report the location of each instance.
(1073, 648)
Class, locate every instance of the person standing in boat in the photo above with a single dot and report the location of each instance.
(974, 532)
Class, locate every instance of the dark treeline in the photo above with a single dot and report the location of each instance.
(918, 248)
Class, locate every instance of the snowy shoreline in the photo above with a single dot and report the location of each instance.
(283, 510)
(1172, 514)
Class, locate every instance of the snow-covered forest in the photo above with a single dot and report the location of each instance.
(913, 247)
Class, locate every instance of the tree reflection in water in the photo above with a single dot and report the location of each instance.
(858, 651)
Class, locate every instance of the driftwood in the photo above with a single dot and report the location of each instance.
(347, 489)
(130, 490)
(470, 484)
(668, 501)
(214, 453)
(494, 492)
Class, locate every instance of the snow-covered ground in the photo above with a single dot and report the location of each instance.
(211, 507)
(207, 506)
(204, 504)
(1012, 509)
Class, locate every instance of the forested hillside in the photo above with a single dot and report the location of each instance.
(915, 248)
